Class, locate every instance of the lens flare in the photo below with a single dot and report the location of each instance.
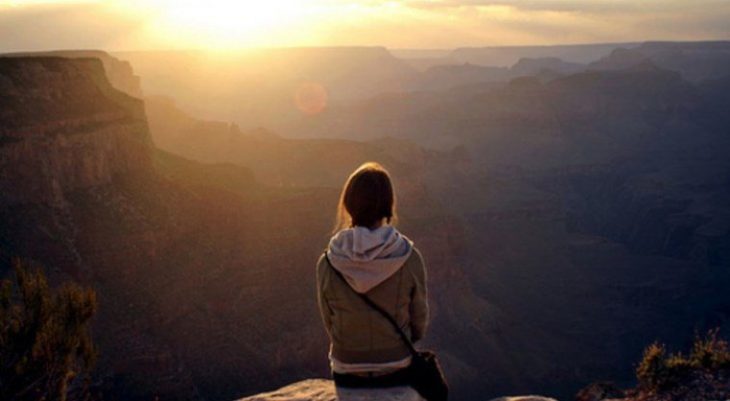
(311, 98)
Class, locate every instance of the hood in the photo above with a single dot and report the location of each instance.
(367, 257)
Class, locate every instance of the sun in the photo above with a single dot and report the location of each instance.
(229, 23)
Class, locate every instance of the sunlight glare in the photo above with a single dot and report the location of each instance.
(229, 23)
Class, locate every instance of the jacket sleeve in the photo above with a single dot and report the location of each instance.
(419, 300)
(322, 282)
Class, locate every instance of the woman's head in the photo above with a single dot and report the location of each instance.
(367, 198)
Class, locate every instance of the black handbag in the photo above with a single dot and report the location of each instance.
(424, 374)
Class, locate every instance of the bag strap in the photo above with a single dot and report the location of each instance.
(407, 341)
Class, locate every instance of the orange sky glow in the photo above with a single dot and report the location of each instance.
(235, 24)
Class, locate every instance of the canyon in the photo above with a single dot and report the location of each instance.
(567, 219)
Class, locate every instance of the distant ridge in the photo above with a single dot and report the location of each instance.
(504, 56)
(508, 55)
(695, 61)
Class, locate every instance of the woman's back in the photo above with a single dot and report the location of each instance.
(358, 333)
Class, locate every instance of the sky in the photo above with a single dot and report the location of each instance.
(429, 24)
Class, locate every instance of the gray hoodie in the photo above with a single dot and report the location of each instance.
(384, 264)
(368, 257)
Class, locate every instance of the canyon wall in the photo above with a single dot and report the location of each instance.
(63, 127)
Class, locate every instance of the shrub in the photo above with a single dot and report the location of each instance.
(652, 370)
(710, 352)
(659, 371)
(46, 351)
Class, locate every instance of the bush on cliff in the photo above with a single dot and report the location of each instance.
(704, 372)
(46, 351)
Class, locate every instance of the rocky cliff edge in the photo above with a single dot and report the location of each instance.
(324, 390)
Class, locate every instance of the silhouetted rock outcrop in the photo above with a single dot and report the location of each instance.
(118, 72)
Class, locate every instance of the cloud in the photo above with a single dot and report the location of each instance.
(513, 22)
(404, 23)
(535, 5)
(574, 6)
(65, 26)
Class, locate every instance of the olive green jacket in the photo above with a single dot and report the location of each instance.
(359, 334)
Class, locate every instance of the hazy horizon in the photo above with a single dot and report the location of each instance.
(346, 46)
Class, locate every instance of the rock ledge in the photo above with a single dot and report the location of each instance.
(324, 390)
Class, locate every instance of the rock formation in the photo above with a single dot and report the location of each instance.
(313, 389)
(324, 390)
(118, 72)
(63, 128)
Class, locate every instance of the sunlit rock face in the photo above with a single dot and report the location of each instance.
(307, 390)
(63, 127)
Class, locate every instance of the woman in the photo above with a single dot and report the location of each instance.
(367, 255)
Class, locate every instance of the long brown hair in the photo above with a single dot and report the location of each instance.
(367, 198)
